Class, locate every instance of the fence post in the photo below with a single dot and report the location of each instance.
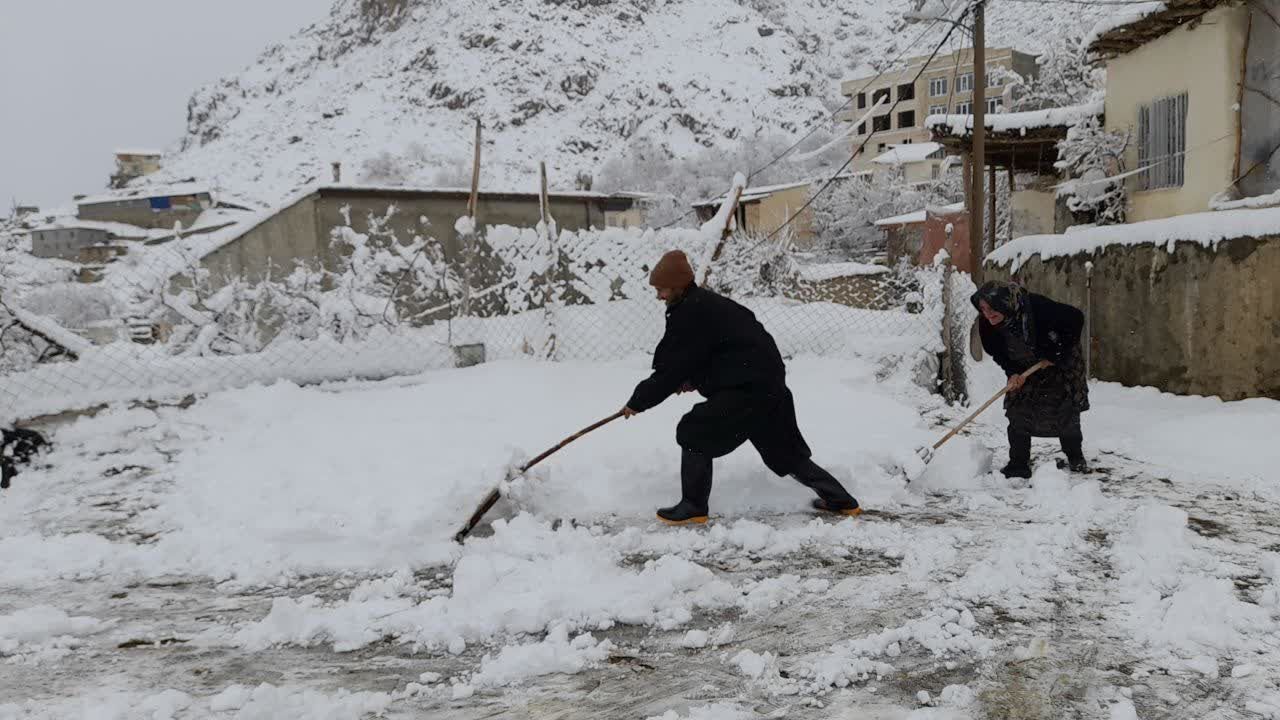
(948, 337)
(1088, 319)
(553, 267)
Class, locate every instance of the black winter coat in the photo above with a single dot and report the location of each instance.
(1037, 328)
(1057, 327)
(714, 344)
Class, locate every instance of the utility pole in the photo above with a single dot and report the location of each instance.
(978, 176)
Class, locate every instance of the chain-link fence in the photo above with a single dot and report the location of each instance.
(197, 313)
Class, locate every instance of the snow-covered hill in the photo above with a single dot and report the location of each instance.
(574, 82)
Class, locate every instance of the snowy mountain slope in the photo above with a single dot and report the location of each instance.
(570, 81)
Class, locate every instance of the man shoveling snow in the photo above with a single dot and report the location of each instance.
(717, 347)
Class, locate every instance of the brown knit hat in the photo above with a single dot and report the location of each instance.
(672, 271)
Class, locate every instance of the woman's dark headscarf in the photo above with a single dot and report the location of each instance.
(1008, 299)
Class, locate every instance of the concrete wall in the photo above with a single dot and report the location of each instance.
(1194, 321)
(64, 243)
(273, 246)
(1203, 60)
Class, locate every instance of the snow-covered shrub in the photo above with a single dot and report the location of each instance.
(1089, 155)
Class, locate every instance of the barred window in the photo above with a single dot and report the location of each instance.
(1162, 142)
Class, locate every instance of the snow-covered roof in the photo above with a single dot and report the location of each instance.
(918, 216)
(754, 193)
(1207, 229)
(138, 151)
(1019, 122)
(1140, 23)
(123, 230)
(831, 271)
(151, 191)
(907, 153)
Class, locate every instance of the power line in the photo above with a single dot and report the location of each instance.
(849, 162)
(1094, 3)
(845, 104)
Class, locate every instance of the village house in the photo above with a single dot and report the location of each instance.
(68, 238)
(945, 87)
(132, 164)
(149, 207)
(1194, 86)
(1184, 297)
(916, 162)
(763, 209)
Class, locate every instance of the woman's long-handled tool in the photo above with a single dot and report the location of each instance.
(492, 498)
(926, 453)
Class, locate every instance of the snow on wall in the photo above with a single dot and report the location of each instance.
(1207, 229)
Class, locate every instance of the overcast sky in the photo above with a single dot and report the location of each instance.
(79, 78)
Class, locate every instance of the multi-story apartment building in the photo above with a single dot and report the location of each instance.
(945, 87)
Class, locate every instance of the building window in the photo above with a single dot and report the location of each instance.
(881, 148)
(862, 128)
(937, 109)
(937, 87)
(994, 105)
(907, 91)
(862, 101)
(937, 171)
(879, 96)
(880, 124)
(993, 79)
(908, 141)
(907, 119)
(1162, 142)
(964, 108)
(964, 83)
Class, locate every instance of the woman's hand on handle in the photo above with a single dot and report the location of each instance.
(1015, 383)
(628, 413)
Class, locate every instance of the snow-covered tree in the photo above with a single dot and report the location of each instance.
(1065, 76)
(844, 215)
(1089, 155)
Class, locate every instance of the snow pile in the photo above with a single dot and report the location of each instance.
(554, 654)
(44, 632)
(960, 464)
(1207, 229)
(1220, 202)
(1178, 599)
(1186, 434)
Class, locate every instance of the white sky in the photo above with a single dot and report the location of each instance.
(79, 78)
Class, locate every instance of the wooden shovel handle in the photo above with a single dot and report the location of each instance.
(956, 430)
(495, 494)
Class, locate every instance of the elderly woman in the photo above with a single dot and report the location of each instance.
(1019, 329)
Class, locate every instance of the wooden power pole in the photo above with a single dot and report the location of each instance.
(977, 204)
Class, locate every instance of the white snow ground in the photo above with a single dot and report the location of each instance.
(283, 552)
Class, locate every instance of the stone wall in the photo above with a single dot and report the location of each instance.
(1195, 321)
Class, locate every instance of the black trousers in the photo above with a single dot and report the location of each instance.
(765, 418)
(1020, 446)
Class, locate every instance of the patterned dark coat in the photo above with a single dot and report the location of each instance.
(1036, 328)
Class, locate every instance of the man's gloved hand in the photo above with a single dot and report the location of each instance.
(628, 413)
